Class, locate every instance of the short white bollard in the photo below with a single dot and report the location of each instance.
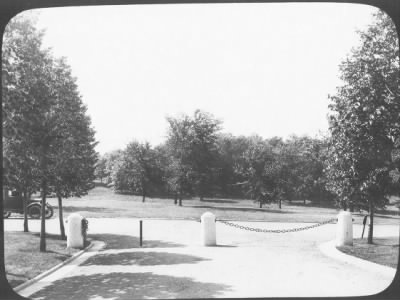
(74, 231)
(208, 231)
(344, 230)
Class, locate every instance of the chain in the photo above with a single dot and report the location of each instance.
(277, 230)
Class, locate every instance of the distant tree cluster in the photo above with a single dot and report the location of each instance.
(197, 160)
(48, 141)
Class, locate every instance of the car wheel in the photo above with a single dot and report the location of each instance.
(49, 211)
(34, 211)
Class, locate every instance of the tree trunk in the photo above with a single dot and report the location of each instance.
(180, 200)
(371, 222)
(280, 203)
(60, 217)
(144, 190)
(175, 199)
(260, 204)
(304, 201)
(43, 218)
(25, 204)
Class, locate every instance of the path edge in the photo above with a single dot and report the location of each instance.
(53, 269)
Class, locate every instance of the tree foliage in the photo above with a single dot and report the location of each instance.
(49, 143)
(138, 170)
(191, 144)
(365, 121)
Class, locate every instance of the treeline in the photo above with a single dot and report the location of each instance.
(198, 160)
(48, 140)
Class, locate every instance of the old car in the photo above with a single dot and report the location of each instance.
(13, 203)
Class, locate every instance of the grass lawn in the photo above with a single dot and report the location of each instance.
(24, 261)
(383, 251)
(103, 202)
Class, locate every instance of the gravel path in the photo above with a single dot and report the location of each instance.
(173, 264)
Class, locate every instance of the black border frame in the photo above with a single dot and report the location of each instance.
(10, 8)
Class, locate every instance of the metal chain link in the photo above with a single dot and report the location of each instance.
(277, 230)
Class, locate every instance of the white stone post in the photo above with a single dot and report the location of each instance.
(344, 230)
(208, 231)
(74, 231)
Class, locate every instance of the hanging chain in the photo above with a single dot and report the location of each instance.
(277, 230)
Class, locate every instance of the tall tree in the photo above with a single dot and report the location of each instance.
(180, 135)
(258, 168)
(304, 161)
(138, 171)
(49, 145)
(365, 120)
(192, 145)
(28, 117)
(203, 154)
(75, 156)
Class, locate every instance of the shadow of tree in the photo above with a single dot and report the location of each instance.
(15, 279)
(249, 209)
(387, 216)
(119, 241)
(142, 259)
(121, 286)
(49, 236)
(322, 204)
(71, 209)
(387, 212)
(219, 201)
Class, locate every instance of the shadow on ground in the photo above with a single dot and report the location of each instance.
(310, 204)
(15, 279)
(142, 259)
(119, 241)
(388, 212)
(120, 286)
(227, 208)
(219, 201)
(386, 216)
(71, 209)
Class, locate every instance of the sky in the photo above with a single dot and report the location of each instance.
(263, 69)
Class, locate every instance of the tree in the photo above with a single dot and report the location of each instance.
(180, 135)
(138, 171)
(112, 164)
(101, 170)
(203, 152)
(44, 123)
(192, 146)
(20, 166)
(304, 163)
(365, 123)
(28, 117)
(75, 156)
(258, 168)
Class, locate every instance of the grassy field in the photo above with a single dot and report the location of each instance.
(24, 261)
(103, 202)
(384, 251)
